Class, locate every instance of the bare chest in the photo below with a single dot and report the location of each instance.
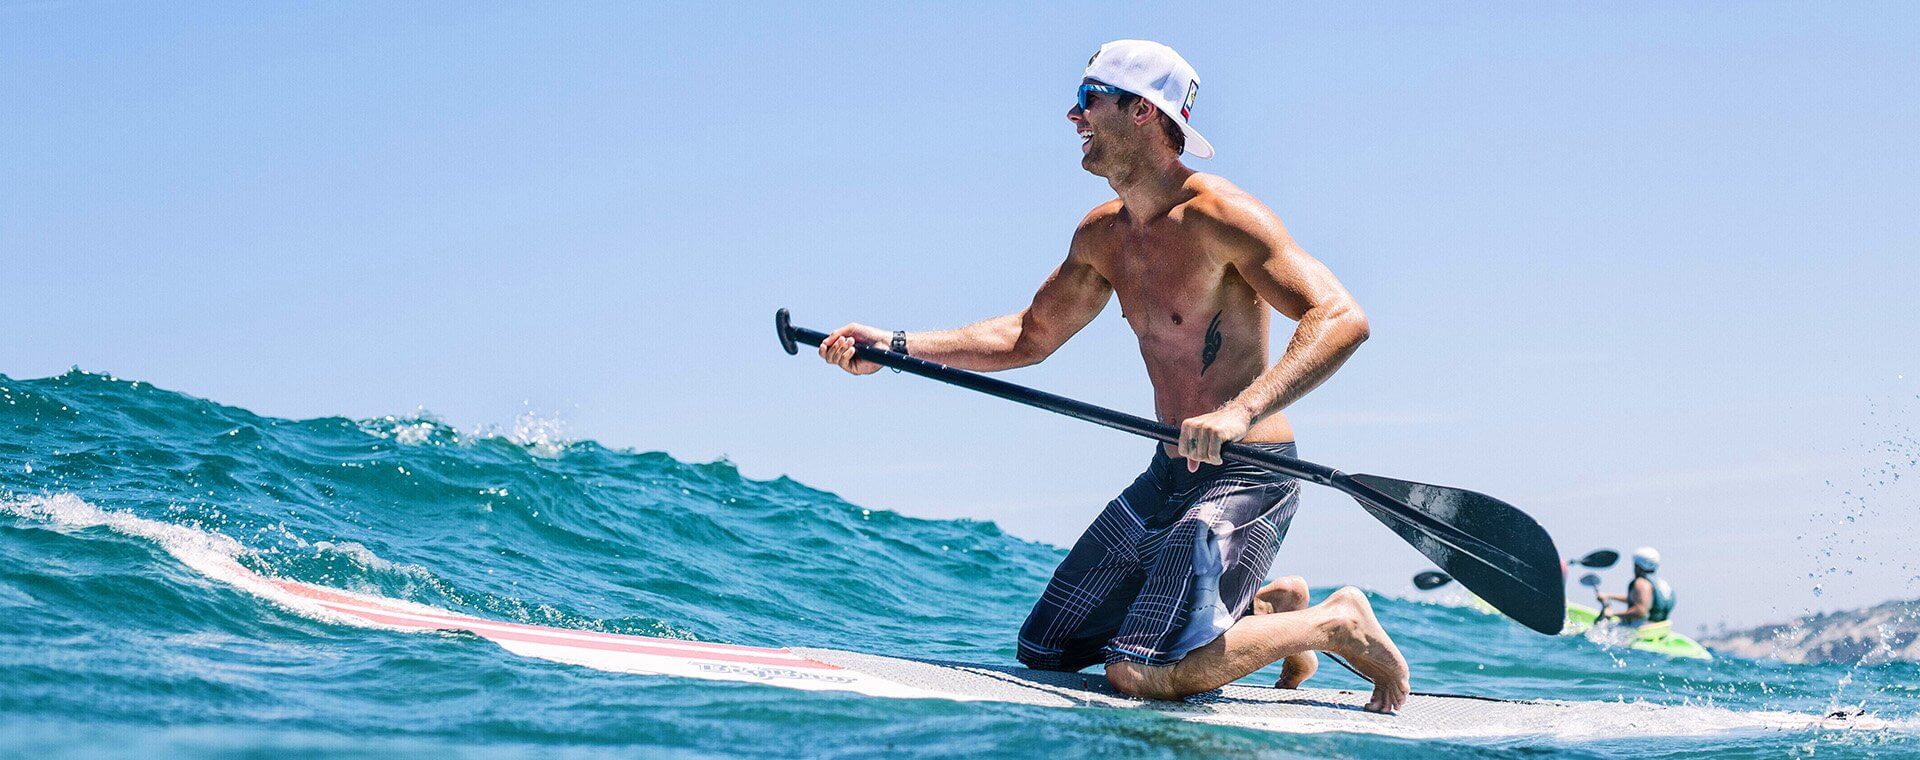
(1168, 287)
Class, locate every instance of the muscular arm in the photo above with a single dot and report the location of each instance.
(1070, 298)
(1331, 325)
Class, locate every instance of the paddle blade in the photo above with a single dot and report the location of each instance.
(1590, 580)
(1431, 579)
(1489, 546)
(1599, 558)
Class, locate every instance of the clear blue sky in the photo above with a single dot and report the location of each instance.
(1646, 271)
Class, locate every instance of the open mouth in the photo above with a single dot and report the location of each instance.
(1086, 139)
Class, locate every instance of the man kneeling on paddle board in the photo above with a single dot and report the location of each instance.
(1164, 587)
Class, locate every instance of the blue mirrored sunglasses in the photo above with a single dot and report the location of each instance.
(1103, 89)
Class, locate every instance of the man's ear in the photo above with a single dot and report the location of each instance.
(1144, 112)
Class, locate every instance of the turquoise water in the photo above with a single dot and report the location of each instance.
(109, 644)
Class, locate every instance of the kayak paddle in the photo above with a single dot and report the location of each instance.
(1433, 579)
(1592, 581)
(1493, 548)
(1596, 558)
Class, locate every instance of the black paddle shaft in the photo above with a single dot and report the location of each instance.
(1140, 426)
(1491, 547)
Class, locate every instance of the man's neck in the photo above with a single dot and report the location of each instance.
(1149, 190)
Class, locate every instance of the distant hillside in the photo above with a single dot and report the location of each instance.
(1881, 633)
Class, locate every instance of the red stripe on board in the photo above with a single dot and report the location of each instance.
(610, 646)
(337, 601)
(323, 593)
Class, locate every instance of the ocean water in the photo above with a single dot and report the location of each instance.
(111, 645)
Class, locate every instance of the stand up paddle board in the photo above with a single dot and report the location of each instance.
(1267, 708)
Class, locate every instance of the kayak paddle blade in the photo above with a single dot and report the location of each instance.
(1431, 579)
(1489, 546)
(1599, 558)
(1590, 580)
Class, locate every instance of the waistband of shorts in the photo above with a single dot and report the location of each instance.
(1275, 447)
(1284, 448)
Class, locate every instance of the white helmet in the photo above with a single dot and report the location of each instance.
(1646, 559)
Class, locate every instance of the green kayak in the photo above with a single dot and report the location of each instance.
(1658, 637)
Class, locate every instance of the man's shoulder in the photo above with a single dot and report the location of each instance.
(1231, 216)
(1101, 219)
(1218, 201)
(1102, 214)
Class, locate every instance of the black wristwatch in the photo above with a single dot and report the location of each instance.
(899, 345)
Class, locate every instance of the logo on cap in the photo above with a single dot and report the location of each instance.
(1193, 91)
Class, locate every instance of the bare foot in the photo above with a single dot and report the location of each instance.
(1297, 668)
(1288, 594)
(1357, 636)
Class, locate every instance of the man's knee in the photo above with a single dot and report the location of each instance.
(1127, 678)
(1141, 681)
(1285, 594)
(1044, 657)
(1036, 659)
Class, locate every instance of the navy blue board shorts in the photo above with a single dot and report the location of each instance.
(1168, 566)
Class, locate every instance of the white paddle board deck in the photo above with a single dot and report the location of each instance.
(1290, 710)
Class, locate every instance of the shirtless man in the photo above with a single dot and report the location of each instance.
(1164, 587)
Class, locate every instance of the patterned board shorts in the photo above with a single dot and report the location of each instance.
(1166, 568)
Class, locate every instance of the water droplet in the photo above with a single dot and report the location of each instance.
(1818, 591)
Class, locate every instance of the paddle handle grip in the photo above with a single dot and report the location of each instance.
(1141, 426)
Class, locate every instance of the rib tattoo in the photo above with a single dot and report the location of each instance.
(1211, 350)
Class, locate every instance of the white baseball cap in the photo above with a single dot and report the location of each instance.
(1153, 71)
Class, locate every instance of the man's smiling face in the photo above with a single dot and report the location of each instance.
(1106, 130)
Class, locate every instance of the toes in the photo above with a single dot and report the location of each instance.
(1387, 704)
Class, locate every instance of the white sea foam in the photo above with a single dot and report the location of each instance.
(545, 436)
(212, 554)
(413, 434)
(406, 431)
(359, 553)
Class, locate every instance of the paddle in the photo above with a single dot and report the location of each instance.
(1496, 551)
(1592, 581)
(1433, 579)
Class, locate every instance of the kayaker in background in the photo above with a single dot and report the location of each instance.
(1649, 599)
